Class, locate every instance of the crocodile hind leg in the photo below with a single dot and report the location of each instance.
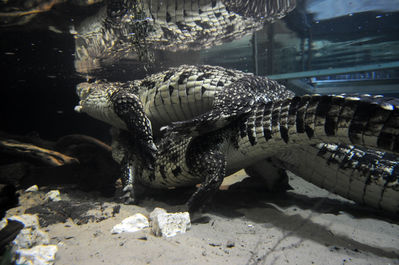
(236, 99)
(210, 163)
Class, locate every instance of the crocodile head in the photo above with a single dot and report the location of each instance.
(83, 90)
(95, 101)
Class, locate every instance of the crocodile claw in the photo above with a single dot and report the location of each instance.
(132, 193)
(128, 195)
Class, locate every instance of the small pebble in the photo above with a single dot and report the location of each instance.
(115, 210)
(131, 224)
(230, 244)
(33, 188)
(53, 195)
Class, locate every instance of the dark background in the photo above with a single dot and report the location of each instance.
(38, 79)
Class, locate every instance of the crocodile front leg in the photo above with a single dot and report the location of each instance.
(129, 109)
(118, 105)
(128, 180)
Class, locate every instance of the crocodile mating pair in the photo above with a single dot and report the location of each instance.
(221, 120)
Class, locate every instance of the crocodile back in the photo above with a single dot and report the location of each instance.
(184, 92)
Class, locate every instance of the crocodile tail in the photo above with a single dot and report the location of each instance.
(369, 121)
(286, 126)
(365, 176)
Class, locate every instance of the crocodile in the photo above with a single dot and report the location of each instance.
(91, 93)
(177, 94)
(124, 30)
(275, 128)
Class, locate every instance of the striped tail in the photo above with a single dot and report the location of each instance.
(369, 121)
(365, 176)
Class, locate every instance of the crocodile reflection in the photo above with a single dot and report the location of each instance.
(134, 30)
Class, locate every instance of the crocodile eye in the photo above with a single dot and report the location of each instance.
(83, 91)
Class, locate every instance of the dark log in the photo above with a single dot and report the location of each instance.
(30, 138)
(32, 152)
(76, 139)
(73, 159)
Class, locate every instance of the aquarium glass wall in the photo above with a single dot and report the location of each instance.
(324, 46)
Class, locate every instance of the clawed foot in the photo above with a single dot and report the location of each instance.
(132, 193)
(128, 196)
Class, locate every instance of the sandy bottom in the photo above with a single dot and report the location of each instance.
(304, 226)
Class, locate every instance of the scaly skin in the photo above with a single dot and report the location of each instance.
(155, 92)
(182, 93)
(362, 175)
(177, 94)
(272, 128)
(132, 29)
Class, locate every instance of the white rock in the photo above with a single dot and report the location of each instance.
(53, 195)
(29, 220)
(3, 223)
(169, 224)
(33, 188)
(131, 224)
(157, 211)
(29, 245)
(31, 235)
(39, 255)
